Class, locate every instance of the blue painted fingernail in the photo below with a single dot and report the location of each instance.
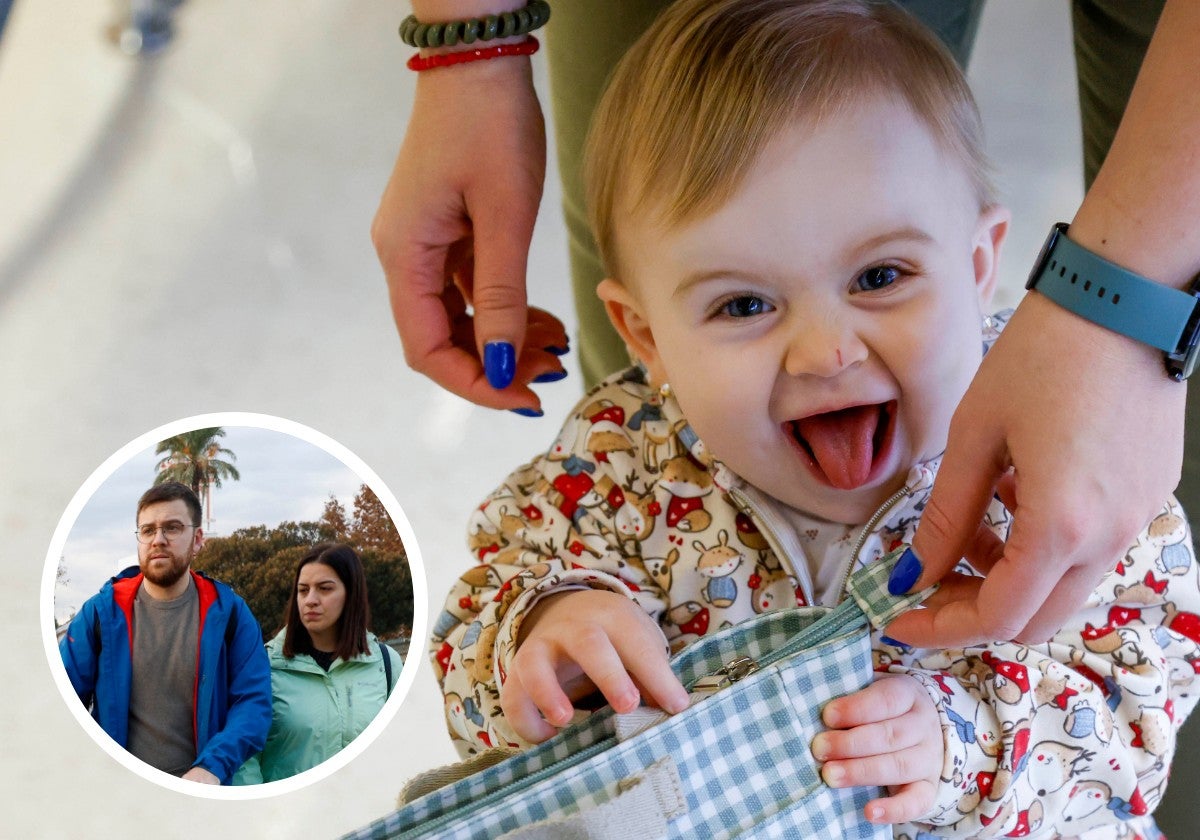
(499, 363)
(527, 412)
(905, 573)
(888, 640)
(551, 376)
(558, 351)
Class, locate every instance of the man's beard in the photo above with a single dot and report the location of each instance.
(167, 577)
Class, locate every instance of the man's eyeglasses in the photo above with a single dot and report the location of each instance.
(171, 530)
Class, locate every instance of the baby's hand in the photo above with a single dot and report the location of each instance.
(580, 641)
(887, 734)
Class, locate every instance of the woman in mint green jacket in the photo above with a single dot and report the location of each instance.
(329, 675)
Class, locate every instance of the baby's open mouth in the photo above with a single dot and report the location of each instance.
(845, 445)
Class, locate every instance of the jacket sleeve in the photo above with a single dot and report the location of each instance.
(248, 706)
(1078, 732)
(79, 649)
(553, 525)
(249, 773)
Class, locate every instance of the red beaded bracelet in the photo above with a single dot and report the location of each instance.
(428, 62)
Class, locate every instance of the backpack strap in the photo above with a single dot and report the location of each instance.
(387, 667)
(869, 590)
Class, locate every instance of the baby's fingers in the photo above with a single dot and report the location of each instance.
(908, 803)
(887, 736)
(525, 707)
(651, 671)
(895, 768)
(594, 653)
(887, 697)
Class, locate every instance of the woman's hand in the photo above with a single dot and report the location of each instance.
(1087, 419)
(1092, 429)
(453, 231)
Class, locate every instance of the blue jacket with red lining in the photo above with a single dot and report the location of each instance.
(231, 708)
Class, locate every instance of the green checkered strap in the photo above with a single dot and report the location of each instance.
(869, 589)
(645, 801)
(869, 603)
(769, 638)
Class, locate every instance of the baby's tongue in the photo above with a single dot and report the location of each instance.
(843, 443)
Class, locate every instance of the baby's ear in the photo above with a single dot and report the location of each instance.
(629, 320)
(990, 231)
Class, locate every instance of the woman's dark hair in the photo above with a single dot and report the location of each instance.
(356, 615)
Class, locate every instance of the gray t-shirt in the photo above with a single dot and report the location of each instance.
(161, 697)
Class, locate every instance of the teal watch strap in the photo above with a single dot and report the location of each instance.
(1119, 300)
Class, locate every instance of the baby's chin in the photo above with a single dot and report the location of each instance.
(849, 507)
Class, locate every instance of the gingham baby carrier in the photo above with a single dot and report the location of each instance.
(736, 763)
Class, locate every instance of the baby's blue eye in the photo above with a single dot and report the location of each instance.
(879, 277)
(745, 306)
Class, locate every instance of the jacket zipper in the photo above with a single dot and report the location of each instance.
(744, 666)
(766, 526)
(867, 530)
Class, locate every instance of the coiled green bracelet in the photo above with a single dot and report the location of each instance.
(506, 25)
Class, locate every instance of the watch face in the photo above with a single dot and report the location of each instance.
(1039, 266)
(1182, 362)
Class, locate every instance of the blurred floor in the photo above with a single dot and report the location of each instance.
(189, 233)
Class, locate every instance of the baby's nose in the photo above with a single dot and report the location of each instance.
(824, 347)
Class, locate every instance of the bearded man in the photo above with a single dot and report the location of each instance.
(189, 692)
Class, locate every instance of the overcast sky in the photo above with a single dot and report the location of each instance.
(282, 478)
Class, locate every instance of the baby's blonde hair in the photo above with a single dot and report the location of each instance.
(695, 101)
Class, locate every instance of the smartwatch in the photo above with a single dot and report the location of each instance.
(1119, 300)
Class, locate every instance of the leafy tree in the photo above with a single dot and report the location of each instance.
(389, 582)
(334, 525)
(390, 593)
(260, 563)
(372, 526)
(197, 459)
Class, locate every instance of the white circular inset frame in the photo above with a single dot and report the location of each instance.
(137, 449)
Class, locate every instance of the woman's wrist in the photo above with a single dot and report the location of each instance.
(475, 25)
(1068, 334)
(1102, 228)
(1140, 212)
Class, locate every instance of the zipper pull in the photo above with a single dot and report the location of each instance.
(731, 672)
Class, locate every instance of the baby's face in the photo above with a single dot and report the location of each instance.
(819, 329)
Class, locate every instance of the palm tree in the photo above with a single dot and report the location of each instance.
(195, 458)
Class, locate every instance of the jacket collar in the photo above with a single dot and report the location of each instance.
(303, 662)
